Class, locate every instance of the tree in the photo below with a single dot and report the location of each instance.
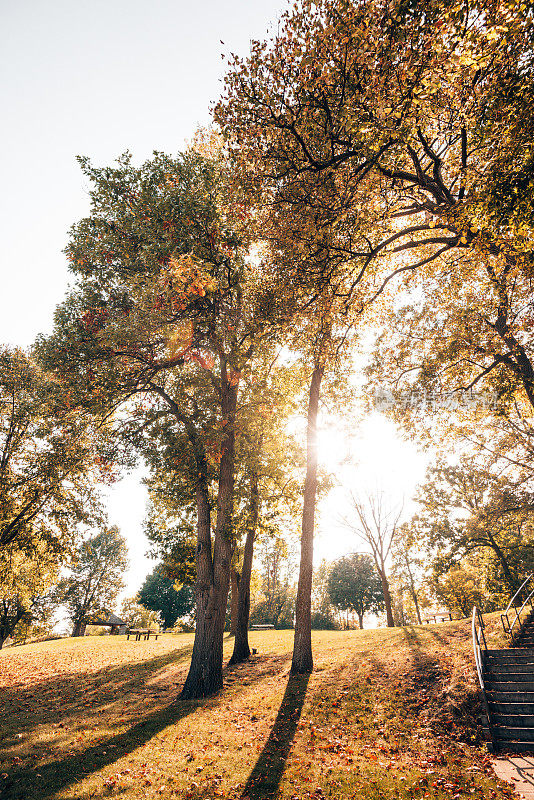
(166, 314)
(419, 114)
(407, 561)
(459, 589)
(96, 578)
(353, 585)
(376, 524)
(470, 507)
(49, 460)
(136, 615)
(383, 122)
(158, 593)
(322, 609)
(276, 605)
(24, 581)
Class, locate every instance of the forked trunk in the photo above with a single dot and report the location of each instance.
(241, 645)
(302, 650)
(213, 574)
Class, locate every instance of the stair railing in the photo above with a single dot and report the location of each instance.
(512, 605)
(480, 648)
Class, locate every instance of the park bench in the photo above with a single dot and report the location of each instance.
(435, 618)
(141, 633)
(262, 627)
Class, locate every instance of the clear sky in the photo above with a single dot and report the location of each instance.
(95, 78)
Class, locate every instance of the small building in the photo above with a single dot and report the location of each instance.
(111, 621)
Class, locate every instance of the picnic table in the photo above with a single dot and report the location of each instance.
(262, 627)
(141, 633)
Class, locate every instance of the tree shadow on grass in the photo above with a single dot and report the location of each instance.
(56, 775)
(48, 779)
(265, 778)
(22, 708)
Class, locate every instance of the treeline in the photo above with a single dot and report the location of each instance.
(370, 168)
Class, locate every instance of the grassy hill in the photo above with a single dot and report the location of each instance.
(387, 713)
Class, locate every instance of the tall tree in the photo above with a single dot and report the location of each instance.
(408, 562)
(420, 110)
(96, 578)
(165, 316)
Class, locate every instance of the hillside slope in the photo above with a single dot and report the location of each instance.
(386, 714)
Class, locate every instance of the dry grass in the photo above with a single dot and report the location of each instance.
(386, 714)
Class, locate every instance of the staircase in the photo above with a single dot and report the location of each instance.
(507, 678)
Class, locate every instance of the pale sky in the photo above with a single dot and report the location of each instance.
(96, 78)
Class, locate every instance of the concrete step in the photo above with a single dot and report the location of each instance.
(513, 747)
(522, 656)
(513, 720)
(513, 683)
(509, 667)
(508, 734)
(500, 696)
(510, 652)
(511, 708)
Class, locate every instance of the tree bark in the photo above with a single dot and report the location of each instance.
(241, 645)
(412, 590)
(510, 577)
(360, 621)
(235, 580)
(213, 573)
(79, 628)
(302, 651)
(387, 596)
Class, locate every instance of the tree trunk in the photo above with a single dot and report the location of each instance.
(235, 579)
(241, 645)
(387, 596)
(510, 577)
(79, 628)
(213, 574)
(412, 590)
(360, 621)
(302, 650)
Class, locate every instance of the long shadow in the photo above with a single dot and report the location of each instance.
(23, 709)
(57, 775)
(51, 778)
(265, 778)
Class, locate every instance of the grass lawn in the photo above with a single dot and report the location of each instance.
(386, 714)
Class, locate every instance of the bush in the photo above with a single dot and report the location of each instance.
(323, 622)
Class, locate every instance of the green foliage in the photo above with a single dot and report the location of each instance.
(159, 594)
(96, 578)
(470, 508)
(25, 603)
(353, 584)
(459, 589)
(49, 460)
(137, 616)
(278, 609)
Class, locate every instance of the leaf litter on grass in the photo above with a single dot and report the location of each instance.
(387, 713)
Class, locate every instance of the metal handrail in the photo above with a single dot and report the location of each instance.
(479, 640)
(512, 604)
